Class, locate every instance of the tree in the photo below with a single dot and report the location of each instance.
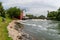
(52, 15)
(2, 12)
(58, 15)
(13, 12)
(42, 17)
(30, 16)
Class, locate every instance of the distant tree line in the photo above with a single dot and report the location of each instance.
(54, 15)
(35, 17)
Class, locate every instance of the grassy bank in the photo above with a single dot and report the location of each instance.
(3, 29)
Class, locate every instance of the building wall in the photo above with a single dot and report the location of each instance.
(21, 16)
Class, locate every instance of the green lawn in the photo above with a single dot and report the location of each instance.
(3, 29)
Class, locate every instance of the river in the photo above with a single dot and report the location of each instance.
(43, 30)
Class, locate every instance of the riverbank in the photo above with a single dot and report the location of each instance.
(15, 31)
(3, 29)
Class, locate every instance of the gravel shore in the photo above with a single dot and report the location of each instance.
(15, 31)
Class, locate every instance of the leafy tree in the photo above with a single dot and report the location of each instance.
(35, 17)
(2, 12)
(52, 14)
(42, 17)
(13, 12)
(30, 16)
(58, 15)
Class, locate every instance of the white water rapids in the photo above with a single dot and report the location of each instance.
(45, 29)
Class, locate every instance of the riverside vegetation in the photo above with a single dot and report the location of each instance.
(3, 29)
(5, 18)
(54, 15)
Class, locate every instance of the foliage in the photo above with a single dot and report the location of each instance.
(3, 29)
(35, 17)
(13, 12)
(58, 15)
(2, 12)
(42, 17)
(30, 16)
(52, 15)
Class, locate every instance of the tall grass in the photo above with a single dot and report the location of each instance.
(3, 29)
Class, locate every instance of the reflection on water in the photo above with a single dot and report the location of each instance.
(43, 30)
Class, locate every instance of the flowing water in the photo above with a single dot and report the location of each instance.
(43, 30)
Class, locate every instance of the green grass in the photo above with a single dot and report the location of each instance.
(3, 29)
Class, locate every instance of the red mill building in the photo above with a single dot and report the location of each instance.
(21, 15)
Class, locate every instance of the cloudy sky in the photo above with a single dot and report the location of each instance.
(36, 7)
